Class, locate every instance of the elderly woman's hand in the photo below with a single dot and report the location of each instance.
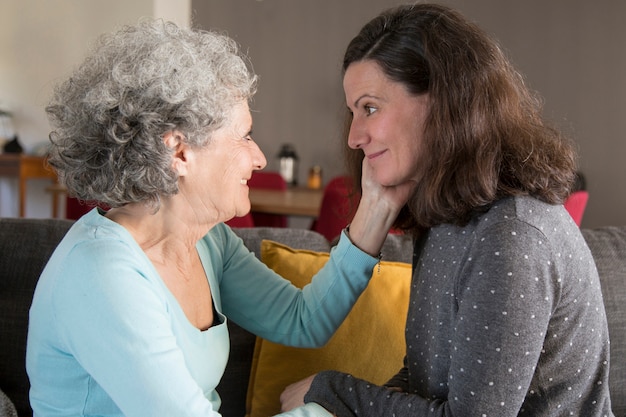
(378, 209)
(395, 197)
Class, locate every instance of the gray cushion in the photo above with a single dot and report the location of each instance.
(608, 246)
(295, 238)
(398, 248)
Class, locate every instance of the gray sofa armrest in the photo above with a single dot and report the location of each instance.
(7, 409)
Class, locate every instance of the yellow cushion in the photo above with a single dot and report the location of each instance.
(369, 344)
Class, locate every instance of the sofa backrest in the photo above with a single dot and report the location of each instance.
(26, 245)
(608, 247)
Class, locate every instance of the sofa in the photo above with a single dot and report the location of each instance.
(26, 244)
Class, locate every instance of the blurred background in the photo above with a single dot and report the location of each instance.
(572, 51)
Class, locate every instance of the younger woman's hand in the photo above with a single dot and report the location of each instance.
(293, 395)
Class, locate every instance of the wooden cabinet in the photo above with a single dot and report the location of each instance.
(25, 168)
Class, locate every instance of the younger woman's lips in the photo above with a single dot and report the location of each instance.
(375, 155)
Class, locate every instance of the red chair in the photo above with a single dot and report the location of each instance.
(268, 180)
(74, 208)
(576, 204)
(244, 221)
(337, 209)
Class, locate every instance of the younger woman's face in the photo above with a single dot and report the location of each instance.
(387, 122)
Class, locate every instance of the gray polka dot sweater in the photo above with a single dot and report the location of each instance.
(505, 319)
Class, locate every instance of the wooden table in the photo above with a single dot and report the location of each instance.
(25, 168)
(292, 202)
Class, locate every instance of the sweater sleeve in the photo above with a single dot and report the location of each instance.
(264, 303)
(401, 379)
(347, 396)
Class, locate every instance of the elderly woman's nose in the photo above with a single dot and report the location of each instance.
(259, 157)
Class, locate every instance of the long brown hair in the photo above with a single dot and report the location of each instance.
(484, 138)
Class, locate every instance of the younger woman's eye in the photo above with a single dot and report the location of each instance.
(370, 109)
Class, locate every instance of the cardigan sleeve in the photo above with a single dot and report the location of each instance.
(266, 304)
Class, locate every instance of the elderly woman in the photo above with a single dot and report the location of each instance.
(130, 315)
(505, 315)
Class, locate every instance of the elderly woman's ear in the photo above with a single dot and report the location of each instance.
(175, 140)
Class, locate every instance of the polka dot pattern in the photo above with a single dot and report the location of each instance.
(505, 318)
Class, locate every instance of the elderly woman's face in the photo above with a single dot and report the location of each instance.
(387, 122)
(226, 164)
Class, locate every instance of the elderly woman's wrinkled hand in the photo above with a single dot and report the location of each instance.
(394, 196)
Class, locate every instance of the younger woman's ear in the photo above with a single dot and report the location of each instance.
(175, 140)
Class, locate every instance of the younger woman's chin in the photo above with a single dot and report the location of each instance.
(390, 181)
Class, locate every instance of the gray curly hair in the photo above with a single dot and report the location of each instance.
(109, 117)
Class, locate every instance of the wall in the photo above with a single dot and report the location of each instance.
(572, 51)
(40, 42)
(178, 11)
(296, 48)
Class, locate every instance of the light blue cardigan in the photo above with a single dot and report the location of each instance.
(107, 337)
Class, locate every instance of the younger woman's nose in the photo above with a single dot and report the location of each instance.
(357, 136)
